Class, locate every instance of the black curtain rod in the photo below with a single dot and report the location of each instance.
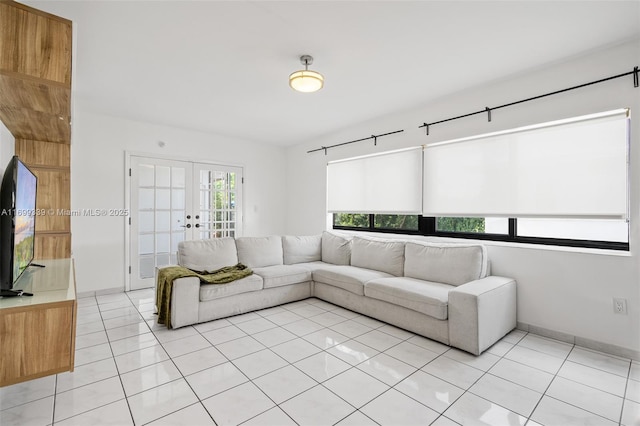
(488, 110)
(374, 137)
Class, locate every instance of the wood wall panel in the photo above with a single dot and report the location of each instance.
(51, 245)
(32, 333)
(29, 124)
(43, 154)
(35, 105)
(51, 164)
(35, 73)
(20, 91)
(53, 196)
(35, 43)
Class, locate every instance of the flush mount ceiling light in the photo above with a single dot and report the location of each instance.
(305, 80)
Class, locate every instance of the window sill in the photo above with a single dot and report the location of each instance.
(491, 243)
(525, 246)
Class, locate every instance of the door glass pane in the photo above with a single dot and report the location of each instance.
(205, 179)
(145, 244)
(163, 259)
(145, 199)
(177, 220)
(163, 243)
(178, 178)
(163, 199)
(176, 238)
(145, 220)
(163, 176)
(146, 267)
(177, 199)
(145, 175)
(163, 221)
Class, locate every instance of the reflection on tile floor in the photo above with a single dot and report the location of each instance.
(311, 362)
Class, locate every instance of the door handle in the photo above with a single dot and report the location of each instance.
(188, 225)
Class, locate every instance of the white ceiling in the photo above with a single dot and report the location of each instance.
(222, 66)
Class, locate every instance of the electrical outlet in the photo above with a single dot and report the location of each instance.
(620, 306)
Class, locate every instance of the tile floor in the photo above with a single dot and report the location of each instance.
(311, 362)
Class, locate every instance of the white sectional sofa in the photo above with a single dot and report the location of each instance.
(440, 291)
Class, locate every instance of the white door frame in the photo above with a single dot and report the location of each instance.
(127, 198)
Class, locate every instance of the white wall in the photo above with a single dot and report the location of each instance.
(7, 147)
(568, 292)
(98, 182)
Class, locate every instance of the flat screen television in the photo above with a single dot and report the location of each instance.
(17, 223)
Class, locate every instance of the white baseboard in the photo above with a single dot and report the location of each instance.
(581, 341)
(83, 294)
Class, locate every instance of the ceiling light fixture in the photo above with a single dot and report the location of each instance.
(305, 80)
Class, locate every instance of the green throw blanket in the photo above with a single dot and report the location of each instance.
(167, 275)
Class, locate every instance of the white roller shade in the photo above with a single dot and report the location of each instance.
(386, 183)
(570, 168)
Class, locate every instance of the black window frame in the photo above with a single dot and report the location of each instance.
(427, 228)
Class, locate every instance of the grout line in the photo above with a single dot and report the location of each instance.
(624, 398)
(326, 309)
(182, 377)
(55, 395)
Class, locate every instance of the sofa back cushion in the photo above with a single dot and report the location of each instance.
(336, 249)
(207, 255)
(380, 255)
(301, 249)
(453, 264)
(258, 252)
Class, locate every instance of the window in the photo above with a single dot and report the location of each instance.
(377, 222)
(388, 183)
(589, 233)
(472, 225)
(574, 168)
(559, 183)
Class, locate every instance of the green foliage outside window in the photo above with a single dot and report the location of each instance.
(408, 222)
(380, 221)
(351, 220)
(460, 224)
(396, 221)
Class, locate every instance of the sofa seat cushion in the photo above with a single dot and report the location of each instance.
(279, 275)
(218, 291)
(350, 278)
(312, 266)
(426, 297)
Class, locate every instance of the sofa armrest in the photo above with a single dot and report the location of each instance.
(185, 301)
(481, 312)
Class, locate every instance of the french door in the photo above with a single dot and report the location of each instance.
(173, 201)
